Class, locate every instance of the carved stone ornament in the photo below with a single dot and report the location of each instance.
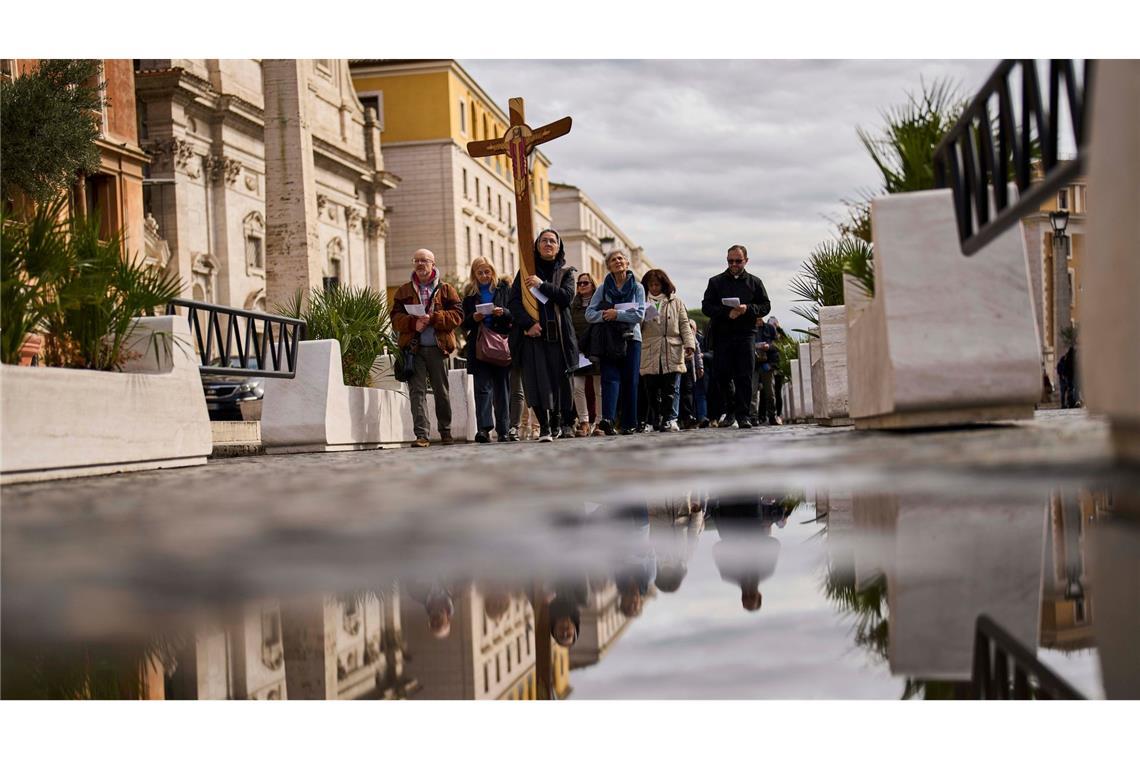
(220, 168)
(376, 227)
(251, 182)
(171, 153)
(352, 216)
(322, 202)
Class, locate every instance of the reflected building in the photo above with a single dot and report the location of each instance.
(481, 658)
(602, 624)
(1067, 605)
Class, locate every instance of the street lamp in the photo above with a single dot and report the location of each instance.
(1059, 220)
(1062, 297)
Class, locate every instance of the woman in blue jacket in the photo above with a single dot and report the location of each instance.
(620, 376)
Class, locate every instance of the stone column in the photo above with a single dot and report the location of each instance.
(308, 628)
(292, 245)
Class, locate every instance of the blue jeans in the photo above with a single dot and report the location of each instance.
(621, 376)
(700, 398)
(676, 397)
(492, 389)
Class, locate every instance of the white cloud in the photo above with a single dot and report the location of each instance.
(690, 156)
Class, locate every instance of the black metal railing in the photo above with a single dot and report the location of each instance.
(1005, 669)
(982, 152)
(250, 344)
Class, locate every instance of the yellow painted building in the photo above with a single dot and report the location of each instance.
(457, 206)
(1039, 242)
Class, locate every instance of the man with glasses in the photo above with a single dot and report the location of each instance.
(439, 310)
(734, 300)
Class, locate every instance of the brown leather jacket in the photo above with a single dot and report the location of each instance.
(447, 314)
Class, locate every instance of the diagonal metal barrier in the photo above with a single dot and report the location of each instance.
(237, 342)
(998, 139)
(1005, 669)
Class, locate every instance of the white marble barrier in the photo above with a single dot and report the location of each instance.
(829, 368)
(316, 411)
(797, 391)
(807, 407)
(63, 423)
(947, 339)
(953, 561)
(1107, 353)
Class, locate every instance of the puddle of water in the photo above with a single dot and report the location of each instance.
(785, 594)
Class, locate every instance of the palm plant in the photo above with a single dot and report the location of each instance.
(357, 318)
(60, 276)
(904, 149)
(820, 282)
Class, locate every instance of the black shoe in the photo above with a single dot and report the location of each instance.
(703, 423)
(544, 434)
(628, 431)
(513, 434)
(745, 424)
(607, 427)
(482, 437)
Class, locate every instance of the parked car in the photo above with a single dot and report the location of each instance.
(230, 398)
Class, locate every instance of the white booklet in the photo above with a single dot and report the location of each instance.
(416, 309)
(730, 302)
(583, 361)
(484, 308)
(651, 312)
(627, 306)
(538, 295)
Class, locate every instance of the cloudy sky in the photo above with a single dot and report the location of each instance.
(690, 156)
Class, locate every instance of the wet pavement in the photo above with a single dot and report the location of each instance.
(793, 562)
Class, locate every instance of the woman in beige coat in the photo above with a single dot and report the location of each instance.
(667, 340)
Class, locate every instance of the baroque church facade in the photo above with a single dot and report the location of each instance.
(204, 123)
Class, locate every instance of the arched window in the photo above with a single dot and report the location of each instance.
(335, 260)
(254, 228)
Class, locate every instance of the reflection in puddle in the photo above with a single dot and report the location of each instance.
(760, 594)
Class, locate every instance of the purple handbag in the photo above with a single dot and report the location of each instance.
(492, 347)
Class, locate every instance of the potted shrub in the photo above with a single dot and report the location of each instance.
(820, 286)
(118, 391)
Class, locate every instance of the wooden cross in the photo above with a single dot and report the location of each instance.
(517, 143)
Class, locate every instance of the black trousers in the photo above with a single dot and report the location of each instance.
(688, 406)
(734, 363)
(659, 397)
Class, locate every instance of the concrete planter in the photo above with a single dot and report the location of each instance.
(1108, 359)
(64, 423)
(316, 411)
(947, 339)
(829, 368)
(797, 393)
(807, 404)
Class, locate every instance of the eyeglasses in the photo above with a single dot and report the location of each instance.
(422, 261)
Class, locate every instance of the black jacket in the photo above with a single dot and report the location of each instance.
(559, 294)
(472, 320)
(749, 289)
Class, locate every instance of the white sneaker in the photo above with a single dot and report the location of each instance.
(672, 426)
(545, 438)
(735, 425)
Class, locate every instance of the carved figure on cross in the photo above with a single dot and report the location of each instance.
(517, 144)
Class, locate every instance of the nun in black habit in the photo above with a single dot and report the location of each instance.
(546, 349)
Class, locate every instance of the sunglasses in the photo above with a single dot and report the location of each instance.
(736, 261)
(583, 284)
